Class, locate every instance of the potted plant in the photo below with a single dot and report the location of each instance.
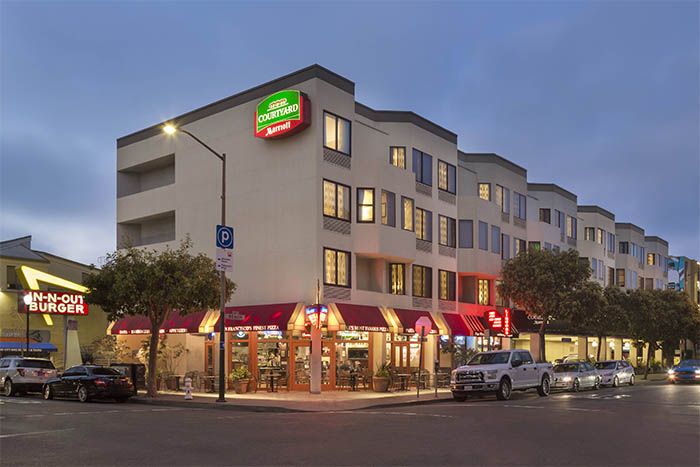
(381, 378)
(240, 378)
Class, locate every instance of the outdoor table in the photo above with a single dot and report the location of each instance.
(403, 381)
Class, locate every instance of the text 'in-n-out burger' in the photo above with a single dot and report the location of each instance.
(58, 303)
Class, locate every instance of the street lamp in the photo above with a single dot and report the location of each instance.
(170, 129)
(27, 301)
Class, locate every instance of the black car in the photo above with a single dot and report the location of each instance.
(89, 382)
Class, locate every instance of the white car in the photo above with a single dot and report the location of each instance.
(575, 376)
(24, 374)
(615, 372)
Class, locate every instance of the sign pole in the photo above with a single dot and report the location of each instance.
(222, 298)
(26, 311)
(420, 360)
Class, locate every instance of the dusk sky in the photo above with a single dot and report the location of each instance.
(601, 98)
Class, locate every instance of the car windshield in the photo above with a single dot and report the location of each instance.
(104, 371)
(566, 368)
(489, 358)
(605, 365)
(689, 363)
(44, 364)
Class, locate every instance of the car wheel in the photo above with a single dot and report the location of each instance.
(504, 390)
(576, 387)
(596, 385)
(83, 395)
(47, 392)
(616, 381)
(544, 388)
(631, 380)
(8, 388)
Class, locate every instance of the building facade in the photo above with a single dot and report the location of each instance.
(596, 242)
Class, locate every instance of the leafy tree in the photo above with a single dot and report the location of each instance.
(106, 349)
(542, 282)
(154, 283)
(642, 312)
(678, 320)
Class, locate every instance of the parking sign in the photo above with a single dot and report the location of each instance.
(224, 237)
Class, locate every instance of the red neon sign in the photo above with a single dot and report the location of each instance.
(499, 322)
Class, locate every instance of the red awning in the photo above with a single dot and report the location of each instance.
(475, 324)
(173, 324)
(258, 317)
(408, 320)
(134, 324)
(362, 318)
(458, 326)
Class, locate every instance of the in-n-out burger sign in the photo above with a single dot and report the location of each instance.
(57, 303)
(282, 114)
(499, 322)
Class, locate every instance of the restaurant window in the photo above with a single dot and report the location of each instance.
(589, 234)
(447, 284)
(272, 355)
(651, 259)
(388, 208)
(520, 205)
(495, 239)
(365, 205)
(483, 292)
(448, 234)
(397, 278)
(397, 156)
(546, 215)
(600, 238)
(466, 233)
(424, 225)
(239, 350)
(423, 167)
(336, 133)
(422, 281)
(447, 177)
(624, 248)
(621, 277)
(483, 236)
(407, 213)
(336, 200)
(505, 246)
(336, 267)
(485, 191)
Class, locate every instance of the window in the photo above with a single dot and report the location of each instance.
(336, 200)
(466, 233)
(589, 234)
(633, 249)
(518, 245)
(611, 242)
(502, 198)
(594, 266)
(505, 246)
(424, 225)
(571, 227)
(336, 133)
(546, 215)
(398, 275)
(447, 177)
(483, 236)
(388, 208)
(483, 292)
(447, 285)
(611, 276)
(634, 280)
(397, 156)
(520, 205)
(624, 248)
(336, 267)
(560, 221)
(495, 239)
(485, 191)
(422, 281)
(621, 277)
(547, 246)
(448, 234)
(534, 246)
(651, 259)
(12, 280)
(600, 238)
(423, 167)
(365, 205)
(407, 214)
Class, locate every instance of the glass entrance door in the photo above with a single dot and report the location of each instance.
(301, 366)
(400, 358)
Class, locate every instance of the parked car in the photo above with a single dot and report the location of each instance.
(685, 371)
(576, 376)
(615, 373)
(572, 358)
(135, 371)
(502, 372)
(90, 382)
(20, 375)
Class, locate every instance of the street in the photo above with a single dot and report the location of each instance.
(641, 425)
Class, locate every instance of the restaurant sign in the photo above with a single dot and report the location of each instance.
(282, 114)
(499, 322)
(55, 303)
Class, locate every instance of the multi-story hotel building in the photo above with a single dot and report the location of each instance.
(553, 217)
(656, 263)
(596, 242)
(630, 256)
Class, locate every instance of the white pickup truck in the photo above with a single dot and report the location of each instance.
(502, 372)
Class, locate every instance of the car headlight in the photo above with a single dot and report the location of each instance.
(671, 372)
(566, 379)
(697, 372)
(491, 374)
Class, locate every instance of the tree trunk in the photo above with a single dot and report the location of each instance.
(542, 358)
(600, 344)
(650, 352)
(153, 361)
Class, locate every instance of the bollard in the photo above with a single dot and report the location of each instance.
(188, 389)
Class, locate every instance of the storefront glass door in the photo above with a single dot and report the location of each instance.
(301, 376)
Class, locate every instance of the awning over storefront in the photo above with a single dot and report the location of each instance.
(33, 346)
(457, 324)
(407, 320)
(173, 324)
(360, 318)
(274, 317)
(475, 325)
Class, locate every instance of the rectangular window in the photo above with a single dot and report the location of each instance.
(589, 233)
(336, 200)
(336, 133)
(397, 156)
(483, 236)
(520, 205)
(12, 281)
(495, 239)
(483, 297)
(519, 245)
(611, 242)
(448, 233)
(505, 246)
(611, 276)
(624, 248)
(547, 246)
(651, 259)
(499, 197)
(447, 285)
(594, 266)
(447, 177)
(534, 246)
(485, 191)
(621, 277)
(336, 267)
(422, 281)
(407, 213)
(423, 167)
(571, 227)
(388, 208)
(546, 215)
(424, 225)
(397, 278)
(365, 205)
(600, 238)
(466, 233)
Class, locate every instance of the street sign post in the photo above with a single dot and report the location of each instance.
(224, 260)
(423, 327)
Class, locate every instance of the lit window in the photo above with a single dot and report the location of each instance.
(483, 298)
(485, 191)
(424, 225)
(365, 205)
(447, 177)
(589, 234)
(621, 277)
(651, 259)
(397, 156)
(336, 267)
(388, 208)
(336, 132)
(422, 281)
(519, 246)
(571, 227)
(447, 284)
(407, 214)
(600, 239)
(448, 234)
(423, 167)
(398, 273)
(336, 200)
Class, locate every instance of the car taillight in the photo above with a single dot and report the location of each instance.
(20, 371)
(100, 382)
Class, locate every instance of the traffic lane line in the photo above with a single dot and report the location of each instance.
(33, 433)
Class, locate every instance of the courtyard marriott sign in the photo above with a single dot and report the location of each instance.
(282, 114)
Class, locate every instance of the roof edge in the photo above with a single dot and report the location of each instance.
(596, 209)
(654, 238)
(636, 228)
(405, 116)
(553, 188)
(491, 158)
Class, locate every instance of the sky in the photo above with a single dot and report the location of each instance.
(601, 98)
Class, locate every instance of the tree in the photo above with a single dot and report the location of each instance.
(147, 282)
(542, 283)
(677, 319)
(106, 350)
(642, 312)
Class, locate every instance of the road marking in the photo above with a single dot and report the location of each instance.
(523, 406)
(31, 433)
(35, 415)
(18, 401)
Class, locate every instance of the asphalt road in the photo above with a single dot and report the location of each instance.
(641, 425)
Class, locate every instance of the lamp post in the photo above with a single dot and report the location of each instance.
(170, 129)
(27, 301)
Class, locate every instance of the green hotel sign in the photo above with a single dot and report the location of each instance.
(282, 114)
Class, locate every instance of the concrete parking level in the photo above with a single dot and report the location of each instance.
(642, 425)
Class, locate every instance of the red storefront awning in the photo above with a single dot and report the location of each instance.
(258, 317)
(458, 326)
(362, 318)
(408, 319)
(475, 325)
(173, 324)
(134, 324)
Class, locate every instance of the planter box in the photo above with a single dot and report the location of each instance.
(380, 384)
(240, 386)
